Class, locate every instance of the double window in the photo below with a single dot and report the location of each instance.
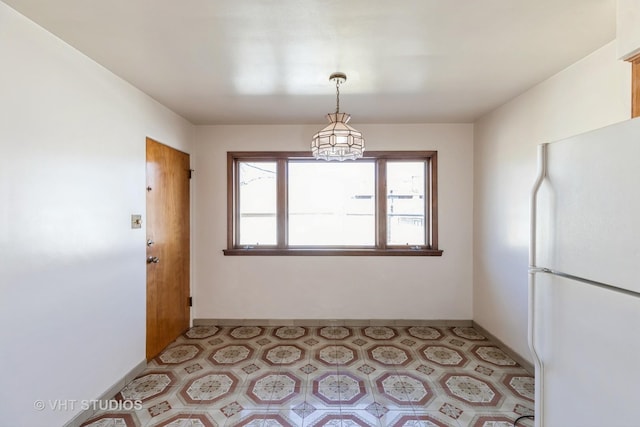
(287, 203)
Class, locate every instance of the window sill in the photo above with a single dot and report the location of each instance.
(332, 252)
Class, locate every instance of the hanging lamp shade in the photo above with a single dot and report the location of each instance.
(338, 141)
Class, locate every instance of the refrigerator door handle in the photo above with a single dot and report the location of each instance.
(542, 173)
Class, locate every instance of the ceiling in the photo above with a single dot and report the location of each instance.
(269, 61)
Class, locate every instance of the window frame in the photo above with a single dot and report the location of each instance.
(381, 248)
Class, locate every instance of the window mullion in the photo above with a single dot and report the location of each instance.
(282, 206)
(381, 203)
(433, 201)
(233, 221)
(427, 205)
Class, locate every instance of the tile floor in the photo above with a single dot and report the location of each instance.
(328, 376)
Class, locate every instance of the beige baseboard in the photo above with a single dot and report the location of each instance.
(332, 322)
(109, 394)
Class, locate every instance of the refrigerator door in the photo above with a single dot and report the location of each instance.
(589, 206)
(588, 340)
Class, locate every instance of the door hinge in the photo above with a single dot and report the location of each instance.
(190, 301)
(191, 173)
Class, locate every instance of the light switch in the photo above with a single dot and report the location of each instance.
(136, 221)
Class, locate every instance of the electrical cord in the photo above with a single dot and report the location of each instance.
(520, 418)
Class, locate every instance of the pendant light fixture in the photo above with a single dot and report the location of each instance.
(338, 141)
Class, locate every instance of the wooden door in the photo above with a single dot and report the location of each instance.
(167, 245)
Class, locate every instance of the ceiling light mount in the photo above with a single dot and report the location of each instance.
(338, 141)
(341, 77)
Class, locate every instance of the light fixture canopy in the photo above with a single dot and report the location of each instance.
(338, 141)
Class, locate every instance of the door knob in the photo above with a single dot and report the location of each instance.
(153, 260)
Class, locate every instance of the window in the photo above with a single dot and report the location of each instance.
(287, 203)
(331, 204)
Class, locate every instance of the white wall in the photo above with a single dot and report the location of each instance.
(72, 272)
(288, 287)
(592, 93)
(627, 28)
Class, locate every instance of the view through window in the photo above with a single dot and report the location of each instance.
(331, 204)
(257, 204)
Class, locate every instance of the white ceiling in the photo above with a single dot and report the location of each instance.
(268, 61)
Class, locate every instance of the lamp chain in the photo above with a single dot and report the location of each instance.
(337, 96)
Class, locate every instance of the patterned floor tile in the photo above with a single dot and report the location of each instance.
(201, 332)
(283, 354)
(422, 420)
(424, 332)
(290, 332)
(209, 388)
(179, 354)
(150, 384)
(231, 354)
(113, 419)
(468, 333)
(246, 332)
(329, 376)
(521, 385)
(404, 389)
(340, 389)
(379, 333)
(186, 419)
(274, 388)
(493, 355)
(339, 419)
(471, 390)
(263, 419)
(443, 355)
(497, 420)
(390, 355)
(330, 355)
(335, 332)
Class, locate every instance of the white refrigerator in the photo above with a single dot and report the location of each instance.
(584, 279)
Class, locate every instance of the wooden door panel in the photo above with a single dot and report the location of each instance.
(168, 228)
